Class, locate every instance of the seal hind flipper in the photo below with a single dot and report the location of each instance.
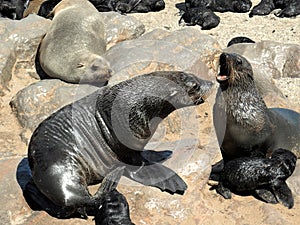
(157, 175)
(283, 194)
(156, 157)
(266, 196)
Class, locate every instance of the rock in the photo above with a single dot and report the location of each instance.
(121, 27)
(22, 38)
(36, 102)
(7, 62)
(177, 50)
(271, 61)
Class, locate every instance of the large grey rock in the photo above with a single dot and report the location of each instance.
(19, 40)
(121, 27)
(271, 62)
(36, 102)
(186, 50)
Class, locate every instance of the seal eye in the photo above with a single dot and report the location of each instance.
(239, 61)
(79, 65)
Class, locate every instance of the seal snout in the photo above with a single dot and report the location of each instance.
(224, 70)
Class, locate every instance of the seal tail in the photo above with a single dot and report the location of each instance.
(157, 175)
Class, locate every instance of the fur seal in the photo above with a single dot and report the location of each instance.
(71, 49)
(201, 16)
(245, 127)
(240, 39)
(121, 6)
(289, 8)
(239, 6)
(265, 176)
(83, 142)
(13, 9)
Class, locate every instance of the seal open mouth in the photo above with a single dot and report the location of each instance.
(224, 68)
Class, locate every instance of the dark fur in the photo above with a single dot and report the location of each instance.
(263, 175)
(237, 40)
(114, 210)
(289, 8)
(238, 6)
(83, 142)
(122, 6)
(201, 16)
(13, 9)
(244, 125)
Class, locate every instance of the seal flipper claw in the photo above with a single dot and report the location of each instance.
(156, 157)
(159, 176)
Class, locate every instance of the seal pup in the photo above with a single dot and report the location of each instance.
(289, 8)
(266, 176)
(245, 127)
(201, 16)
(13, 9)
(121, 6)
(239, 6)
(83, 142)
(71, 49)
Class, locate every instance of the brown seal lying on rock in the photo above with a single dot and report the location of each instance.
(71, 49)
(83, 142)
(245, 127)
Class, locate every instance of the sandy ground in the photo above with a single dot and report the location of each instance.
(285, 30)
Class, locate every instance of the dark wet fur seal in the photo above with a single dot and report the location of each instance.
(13, 9)
(240, 39)
(114, 210)
(238, 6)
(108, 129)
(289, 8)
(123, 6)
(245, 127)
(201, 16)
(265, 176)
(106, 196)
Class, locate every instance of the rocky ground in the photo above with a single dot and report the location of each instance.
(199, 205)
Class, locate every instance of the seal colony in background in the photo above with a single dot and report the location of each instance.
(245, 127)
(83, 142)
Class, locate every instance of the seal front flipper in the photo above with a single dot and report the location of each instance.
(157, 175)
(110, 182)
(156, 157)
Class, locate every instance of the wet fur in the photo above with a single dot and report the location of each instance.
(123, 6)
(289, 8)
(260, 175)
(79, 144)
(13, 9)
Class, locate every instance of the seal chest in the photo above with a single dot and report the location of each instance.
(71, 49)
(81, 143)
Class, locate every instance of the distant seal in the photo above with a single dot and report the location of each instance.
(201, 16)
(245, 127)
(121, 6)
(71, 49)
(239, 39)
(266, 176)
(13, 9)
(83, 142)
(238, 6)
(289, 8)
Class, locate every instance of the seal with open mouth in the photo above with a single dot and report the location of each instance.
(245, 127)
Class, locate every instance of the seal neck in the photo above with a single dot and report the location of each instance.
(244, 105)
